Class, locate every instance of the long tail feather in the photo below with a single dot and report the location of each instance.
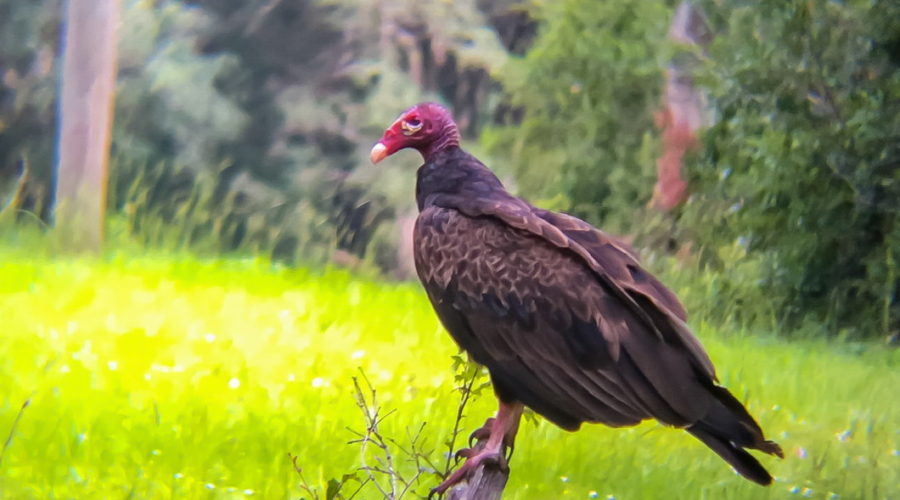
(727, 429)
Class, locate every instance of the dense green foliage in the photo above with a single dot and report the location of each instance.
(207, 130)
(802, 166)
(588, 88)
(28, 35)
(796, 187)
(242, 126)
(160, 377)
(248, 120)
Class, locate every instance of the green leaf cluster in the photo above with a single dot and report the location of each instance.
(801, 168)
(586, 92)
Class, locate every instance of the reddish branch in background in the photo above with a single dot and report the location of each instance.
(678, 138)
(681, 116)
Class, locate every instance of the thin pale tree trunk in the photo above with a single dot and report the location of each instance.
(86, 115)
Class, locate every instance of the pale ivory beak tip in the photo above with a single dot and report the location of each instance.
(379, 152)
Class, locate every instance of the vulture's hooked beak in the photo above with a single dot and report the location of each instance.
(379, 152)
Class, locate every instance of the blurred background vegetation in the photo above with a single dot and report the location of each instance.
(242, 126)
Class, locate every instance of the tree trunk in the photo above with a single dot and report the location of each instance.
(486, 483)
(86, 113)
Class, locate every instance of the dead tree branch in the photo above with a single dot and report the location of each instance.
(484, 483)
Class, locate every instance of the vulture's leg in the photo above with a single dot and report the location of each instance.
(500, 432)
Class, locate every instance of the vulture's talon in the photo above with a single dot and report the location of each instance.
(482, 432)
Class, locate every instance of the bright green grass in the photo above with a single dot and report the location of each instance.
(179, 378)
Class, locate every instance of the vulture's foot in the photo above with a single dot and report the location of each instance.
(483, 433)
(475, 458)
(493, 439)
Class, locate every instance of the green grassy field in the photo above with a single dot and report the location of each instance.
(179, 378)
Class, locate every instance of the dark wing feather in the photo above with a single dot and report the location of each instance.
(617, 269)
(616, 258)
(552, 335)
(566, 320)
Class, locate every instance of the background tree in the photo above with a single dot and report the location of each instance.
(88, 91)
(800, 172)
(580, 136)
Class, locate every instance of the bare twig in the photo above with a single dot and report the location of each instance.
(303, 484)
(488, 480)
(370, 411)
(465, 394)
(416, 455)
(358, 489)
(12, 430)
(379, 454)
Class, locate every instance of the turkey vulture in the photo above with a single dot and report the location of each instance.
(563, 316)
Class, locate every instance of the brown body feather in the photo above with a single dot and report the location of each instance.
(564, 317)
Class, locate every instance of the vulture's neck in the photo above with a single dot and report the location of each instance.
(448, 138)
(451, 176)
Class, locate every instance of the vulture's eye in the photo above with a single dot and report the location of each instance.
(411, 126)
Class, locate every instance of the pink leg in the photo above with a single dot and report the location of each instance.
(502, 430)
(504, 427)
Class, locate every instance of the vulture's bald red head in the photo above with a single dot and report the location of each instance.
(426, 127)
